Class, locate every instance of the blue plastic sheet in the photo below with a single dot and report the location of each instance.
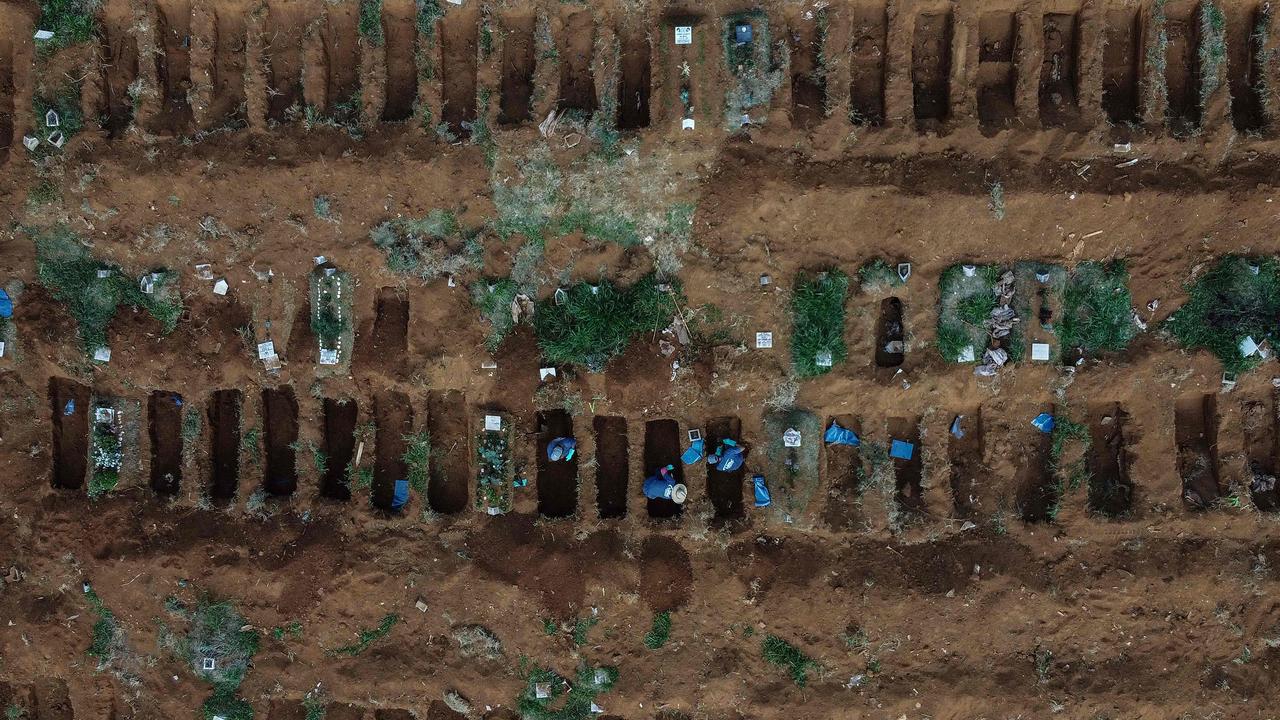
(763, 498)
(401, 495)
(6, 305)
(69, 408)
(1044, 422)
(901, 450)
(694, 453)
(837, 435)
(956, 430)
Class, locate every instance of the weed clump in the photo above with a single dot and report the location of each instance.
(217, 634)
(108, 638)
(562, 699)
(430, 247)
(92, 290)
(597, 322)
(660, 631)
(783, 654)
(370, 26)
(1097, 309)
(1070, 471)
(1239, 297)
(368, 637)
(965, 306)
(527, 207)
(71, 21)
(877, 276)
(417, 460)
(1213, 49)
(817, 338)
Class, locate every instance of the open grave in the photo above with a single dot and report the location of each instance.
(224, 438)
(280, 417)
(725, 488)
(450, 469)
(339, 447)
(230, 61)
(7, 99)
(612, 466)
(968, 467)
(1258, 420)
(1195, 422)
(635, 80)
(119, 50)
(393, 416)
(931, 69)
(576, 47)
(890, 334)
(870, 52)
(908, 473)
(164, 411)
(518, 63)
(1110, 488)
(282, 35)
(458, 48)
(390, 328)
(173, 66)
(997, 33)
(341, 41)
(69, 408)
(1059, 77)
(1182, 66)
(662, 448)
(557, 481)
(1038, 494)
(1247, 30)
(1121, 64)
(400, 30)
(808, 77)
(844, 480)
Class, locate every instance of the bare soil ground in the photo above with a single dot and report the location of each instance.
(963, 583)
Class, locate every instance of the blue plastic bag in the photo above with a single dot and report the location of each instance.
(1044, 422)
(901, 449)
(6, 305)
(763, 498)
(956, 430)
(837, 435)
(694, 453)
(401, 495)
(69, 408)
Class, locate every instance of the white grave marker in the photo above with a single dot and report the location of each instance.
(764, 340)
(684, 34)
(493, 423)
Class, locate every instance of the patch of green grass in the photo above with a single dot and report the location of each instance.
(370, 25)
(573, 703)
(14, 711)
(493, 299)
(71, 21)
(757, 76)
(877, 275)
(581, 628)
(251, 445)
(65, 100)
(965, 305)
(596, 323)
(783, 654)
(1228, 304)
(45, 192)
(527, 205)
(368, 637)
(995, 200)
(65, 267)
(1072, 476)
(417, 460)
(817, 308)
(659, 632)
(429, 11)
(1097, 308)
(430, 247)
(1213, 49)
(322, 206)
(108, 638)
(292, 630)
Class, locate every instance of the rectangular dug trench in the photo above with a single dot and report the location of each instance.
(7, 92)
(577, 43)
(725, 488)
(224, 436)
(119, 65)
(636, 79)
(400, 29)
(1059, 77)
(227, 72)
(1121, 65)
(1247, 26)
(70, 432)
(611, 466)
(808, 77)
(1182, 63)
(968, 469)
(390, 328)
(931, 68)
(1038, 493)
(997, 32)
(845, 476)
(662, 448)
(908, 474)
(1258, 420)
(394, 418)
(557, 481)
(1195, 421)
(867, 64)
(450, 466)
(282, 40)
(339, 447)
(458, 46)
(280, 417)
(164, 411)
(173, 65)
(518, 64)
(1110, 488)
(341, 41)
(890, 334)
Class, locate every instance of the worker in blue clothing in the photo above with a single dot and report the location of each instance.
(561, 448)
(727, 457)
(662, 485)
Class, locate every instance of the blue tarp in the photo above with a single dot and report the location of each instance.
(1043, 422)
(401, 495)
(69, 408)
(837, 435)
(901, 449)
(6, 305)
(956, 430)
(763, 498)
(694, 453)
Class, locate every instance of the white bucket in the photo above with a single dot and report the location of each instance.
(678, 493)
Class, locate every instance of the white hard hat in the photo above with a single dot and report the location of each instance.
(678, 493)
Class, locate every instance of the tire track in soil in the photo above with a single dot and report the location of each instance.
(518, 63)
(458, 47)
(164, 411)
(173, 66)
(612, 466)
(400, 28)
(843, 479)
(70, 433)
(450, 431)
(224, 422)
(557, 481)
(280, 418)
(725, 488)
(393, 416)
(662, 448)
(340, 418)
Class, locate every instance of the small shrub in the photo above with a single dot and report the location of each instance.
(783, 654)
(817, 307)
(431, 247)
(1097, 312)
(323, 207)
(877, 275)
(368, 637)
(594, 325)
(659, 632)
